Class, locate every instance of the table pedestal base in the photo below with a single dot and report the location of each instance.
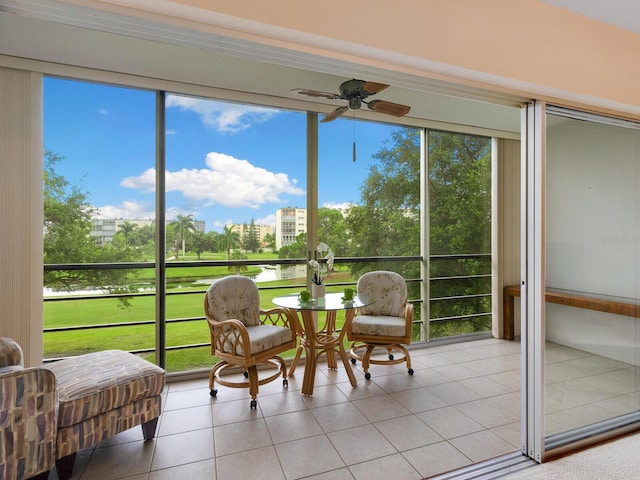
(326, 341)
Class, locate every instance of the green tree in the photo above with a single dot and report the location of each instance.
(298, 249)
(387, 221)
(460, 217)
(250, 237)
(127, 232)
(332, 230)
(214, 241)
(230, 239)
(459, 193)
(199, 243)
(67, 239)
(269, 240)
(183, 227)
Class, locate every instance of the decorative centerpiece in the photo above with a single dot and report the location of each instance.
(317, 285)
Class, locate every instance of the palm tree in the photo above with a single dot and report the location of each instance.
(127, 229)
(229, 239)
(182, 226)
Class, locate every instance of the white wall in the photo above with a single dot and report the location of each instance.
(593, 232)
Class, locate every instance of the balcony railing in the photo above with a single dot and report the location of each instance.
(465, 307)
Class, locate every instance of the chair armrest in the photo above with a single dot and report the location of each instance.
(10, 353)
(28, 421)
(282, 317)
(408, 315)
(229, 337)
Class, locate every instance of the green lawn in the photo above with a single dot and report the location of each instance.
(187, 304)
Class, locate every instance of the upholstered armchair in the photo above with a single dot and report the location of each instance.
(244, 335)
(28, 416)
(384, 324)
(49, 414)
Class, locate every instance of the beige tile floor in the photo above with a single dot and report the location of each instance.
(461, 406)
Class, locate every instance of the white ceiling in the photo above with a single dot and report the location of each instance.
(621, 13)
(71, 35)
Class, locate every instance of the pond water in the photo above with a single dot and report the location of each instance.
(268, 273)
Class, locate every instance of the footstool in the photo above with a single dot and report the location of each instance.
(101, 394)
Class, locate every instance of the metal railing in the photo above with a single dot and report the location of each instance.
(258, 262)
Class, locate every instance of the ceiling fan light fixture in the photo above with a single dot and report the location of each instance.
(355, 103)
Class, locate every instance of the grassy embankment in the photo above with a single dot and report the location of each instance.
(188, 302)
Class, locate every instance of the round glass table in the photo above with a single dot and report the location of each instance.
(316, 340)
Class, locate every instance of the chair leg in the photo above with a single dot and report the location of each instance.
(253, 386)
(149, 429)
(64, 466)
(365, 361)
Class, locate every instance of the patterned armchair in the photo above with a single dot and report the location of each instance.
(28, 416)
(47, 415)
(245, 336)
(386, 323)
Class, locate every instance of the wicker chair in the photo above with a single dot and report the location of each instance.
(385, 324)
(245, 336)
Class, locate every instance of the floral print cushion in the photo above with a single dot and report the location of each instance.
(389, 290)
(379, 326)
(261, 338)
(10, 354)
(235, 297)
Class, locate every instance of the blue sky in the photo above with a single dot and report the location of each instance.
(226, 163)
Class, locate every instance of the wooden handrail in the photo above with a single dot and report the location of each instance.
(570, 299)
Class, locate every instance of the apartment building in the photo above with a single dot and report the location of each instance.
(290, 222)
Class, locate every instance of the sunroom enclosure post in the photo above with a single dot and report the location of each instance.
(160, 270)
(424, 234)
(312, 188)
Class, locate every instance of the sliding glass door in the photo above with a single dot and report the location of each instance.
(584, 280)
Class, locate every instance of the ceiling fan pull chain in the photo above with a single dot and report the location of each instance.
(354, 136)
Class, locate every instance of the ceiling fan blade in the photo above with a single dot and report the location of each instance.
(395, 109)
(315, 93)
(372, 88)
(335, 114)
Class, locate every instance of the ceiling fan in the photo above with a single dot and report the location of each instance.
(354, 92)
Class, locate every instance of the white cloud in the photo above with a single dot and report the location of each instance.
(223, 117)
(343, 207)
(138, 211)
(128, 209)
(170, 132)
(227, 181)
(102, 111)
(268, 220)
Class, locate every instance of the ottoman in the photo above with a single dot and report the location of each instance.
(101, 394)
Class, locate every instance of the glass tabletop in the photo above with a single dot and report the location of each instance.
(331, 301)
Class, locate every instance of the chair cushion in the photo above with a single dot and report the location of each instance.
(235, 297)
(91, 384)
(265, 337)
(389, 290)
(379, 325)
(10, 353)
